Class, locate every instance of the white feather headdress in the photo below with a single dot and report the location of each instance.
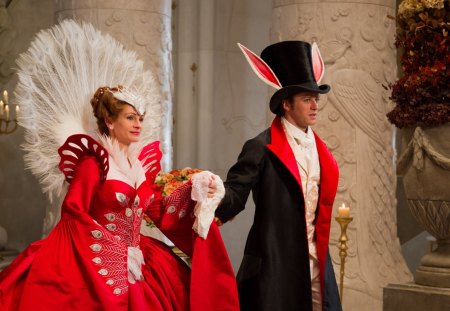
(58, 75)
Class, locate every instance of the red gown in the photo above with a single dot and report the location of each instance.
(86, 262)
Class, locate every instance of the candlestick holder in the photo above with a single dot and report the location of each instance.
(7, 126)
(343, 223)
(8, 115)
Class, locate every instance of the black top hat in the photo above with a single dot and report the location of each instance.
(292, 64)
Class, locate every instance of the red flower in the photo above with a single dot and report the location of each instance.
(422, 95)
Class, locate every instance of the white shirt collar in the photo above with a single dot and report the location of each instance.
(303, 138)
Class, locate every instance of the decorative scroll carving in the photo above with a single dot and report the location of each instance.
(417, 148)
(433, 215)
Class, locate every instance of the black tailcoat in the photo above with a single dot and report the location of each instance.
(275, 270)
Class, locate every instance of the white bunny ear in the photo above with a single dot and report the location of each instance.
(262, 70)
(317, 63)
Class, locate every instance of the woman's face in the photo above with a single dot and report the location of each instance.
(126, 129)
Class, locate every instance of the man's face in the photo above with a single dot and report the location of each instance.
(302, 110)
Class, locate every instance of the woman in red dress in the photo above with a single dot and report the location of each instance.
(95, 258)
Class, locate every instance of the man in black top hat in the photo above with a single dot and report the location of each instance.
(293, 178)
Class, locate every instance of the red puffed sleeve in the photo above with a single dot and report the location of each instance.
(84, 163)
(86, 178)
(174, 216)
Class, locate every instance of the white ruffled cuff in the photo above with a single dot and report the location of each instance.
(205, 207)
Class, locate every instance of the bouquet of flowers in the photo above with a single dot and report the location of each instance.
(170, 181)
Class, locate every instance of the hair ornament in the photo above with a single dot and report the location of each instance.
(130, 96)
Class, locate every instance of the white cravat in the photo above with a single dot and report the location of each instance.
(304, 147)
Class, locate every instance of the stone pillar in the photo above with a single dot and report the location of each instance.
(356, 40)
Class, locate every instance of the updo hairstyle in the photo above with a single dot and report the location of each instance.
(106, 106)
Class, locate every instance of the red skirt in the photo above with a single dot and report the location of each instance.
(54, 274)
(51, 275)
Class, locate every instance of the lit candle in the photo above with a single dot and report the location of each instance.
(344, 211)
(1, 107)
(17, 111)
(5, 96)
(7, 112)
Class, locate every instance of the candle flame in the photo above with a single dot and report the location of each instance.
(5, 96)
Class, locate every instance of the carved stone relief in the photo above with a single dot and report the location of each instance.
(357, 43)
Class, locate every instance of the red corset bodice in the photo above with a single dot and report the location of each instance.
(119, 208)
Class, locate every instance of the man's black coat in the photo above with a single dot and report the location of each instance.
(275, 270)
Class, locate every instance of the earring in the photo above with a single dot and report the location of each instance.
(110, 127)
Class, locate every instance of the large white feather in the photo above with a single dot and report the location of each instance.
(58, 75)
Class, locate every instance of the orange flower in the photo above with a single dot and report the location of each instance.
(171, 181)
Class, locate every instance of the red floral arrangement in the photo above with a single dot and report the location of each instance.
(422, 95)
(170, 181)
